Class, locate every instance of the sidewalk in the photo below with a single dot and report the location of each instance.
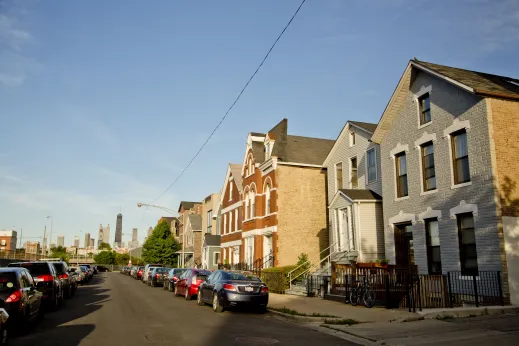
(317, 305)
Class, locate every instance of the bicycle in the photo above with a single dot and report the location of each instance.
(363, 292)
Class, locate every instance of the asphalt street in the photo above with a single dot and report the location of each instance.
(115, 309)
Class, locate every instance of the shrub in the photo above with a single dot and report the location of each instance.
(276, 278)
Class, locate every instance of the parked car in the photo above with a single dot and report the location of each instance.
(94, 268)
(125, 270)
(78, 274)
(47, 281)
(133, 270)
(20, 297)
(146, 271)
(102, 269)
(68, 282)
(172, 278)
(4, 318)
(90, 268)
(88, 274)
(138, 273)
(156, 276)
(189, 281)
(224, 289)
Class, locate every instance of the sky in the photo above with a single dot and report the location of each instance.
(103, 103)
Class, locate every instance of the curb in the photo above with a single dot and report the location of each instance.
(343, 330)
(302, 318)
(470, 312)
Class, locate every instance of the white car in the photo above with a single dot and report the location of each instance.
(147, 269)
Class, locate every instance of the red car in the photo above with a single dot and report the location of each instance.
(139, 273)
(187, 284)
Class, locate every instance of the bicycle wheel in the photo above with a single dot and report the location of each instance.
(369, 298)
(354, 297)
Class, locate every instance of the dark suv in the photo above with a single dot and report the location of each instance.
(68, 282)
(22, 299)
(47, 281)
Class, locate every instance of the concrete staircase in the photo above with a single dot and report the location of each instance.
(297, 289)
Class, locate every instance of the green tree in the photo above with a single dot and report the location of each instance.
(122, 258)
(105, 246)
(59, 252)
(105, 257)
(160, 247)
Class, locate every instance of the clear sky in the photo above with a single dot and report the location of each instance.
(102, 103)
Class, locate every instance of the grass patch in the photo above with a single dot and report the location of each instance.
(297, 313)
(347, 321)
(444, 317)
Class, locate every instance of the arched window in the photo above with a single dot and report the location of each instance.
(252, 196)
(249, 166)
(247, 206)
(267, 199)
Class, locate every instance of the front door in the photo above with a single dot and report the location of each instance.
(404, 246)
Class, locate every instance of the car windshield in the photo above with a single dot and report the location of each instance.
(8, 282)
(34, 268)
(59, 267)
(162, 270)
(178, 272)
(83, 268)
(240, 276)
(202, 272)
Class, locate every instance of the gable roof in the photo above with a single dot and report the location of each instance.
(306, 150)
(370, 127)
(477, 83)
(187, 205)
(367, 127)
(168, 218)
(236, 174)
(212, 240)
(361, 194)
(196, 222)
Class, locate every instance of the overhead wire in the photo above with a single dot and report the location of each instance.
(232, 105)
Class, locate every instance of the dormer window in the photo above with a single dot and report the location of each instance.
(352, 138)
(267, 150)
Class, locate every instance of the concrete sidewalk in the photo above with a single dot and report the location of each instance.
(501, 330)
(317, 305)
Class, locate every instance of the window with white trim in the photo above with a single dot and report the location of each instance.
(230, 190)
(252, 204)
(247, 206)
(209, 228)
(401, 174)
(224, 223)
(236, 211)
(425, 109)
(352, 138)
(467, 243)
(354, 182)
(428, 170)
(371, 161)
(338, 176)
(434, 259)
(460, 157)
(267, 150)
(267, 200)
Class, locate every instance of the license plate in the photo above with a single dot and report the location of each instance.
(249, 289)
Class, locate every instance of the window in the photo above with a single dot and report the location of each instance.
(460, 157)
(354, 182)
(231, 219)
(216, 258)
(433, 246)
(4, 242)
(224, 223)
(401, 175)
(428, 172)
(236, 211)
(249, 167)
(230, 190)
(352, 139)
(425, 109)
(252, 204)
(247, 206)
(467, 241)
(209, 221)
(338, 176)
(372, 165)
(267, 150)
(267, 199)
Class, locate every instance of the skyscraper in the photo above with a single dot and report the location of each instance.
(150, 231)
(61, 240)
(92, 243)
(134, 234)
(100, 236)
(135, 240)
(119, 231)
(87, 240)
(76, 242)
(106, 234)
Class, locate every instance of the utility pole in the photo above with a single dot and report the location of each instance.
(44, 240)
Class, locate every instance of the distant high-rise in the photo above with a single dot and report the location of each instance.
(100, 236)
(119, 231)
(134, 234)
(87, 240)
(76, 242)
(92, 243)
(150, 231)
(61, 240)
(106, 234)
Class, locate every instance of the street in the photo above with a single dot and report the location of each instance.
(115, 309)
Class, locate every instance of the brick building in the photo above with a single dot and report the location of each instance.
(449, 149)
(8, 240)
(280, 211)
(184, 210)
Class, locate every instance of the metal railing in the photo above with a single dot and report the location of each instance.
(485, 288)
(292, 277)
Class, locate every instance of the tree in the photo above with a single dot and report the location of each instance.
(160, 247)
(105, 246)
(105, 257)
(59, 252)
(122, 258)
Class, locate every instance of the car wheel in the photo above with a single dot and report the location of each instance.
(176, 291)
(261, 309)
(216, 304)
(187, 295)
(199, 299)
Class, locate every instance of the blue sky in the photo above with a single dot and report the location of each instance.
(102, 103)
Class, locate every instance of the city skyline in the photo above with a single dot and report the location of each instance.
(118, 231)
(61, 240)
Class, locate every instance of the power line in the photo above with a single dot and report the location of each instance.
(232, 105)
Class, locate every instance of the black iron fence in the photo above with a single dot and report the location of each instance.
(475, 290)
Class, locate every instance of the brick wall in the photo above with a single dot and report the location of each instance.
(301, 214)
(447, 104)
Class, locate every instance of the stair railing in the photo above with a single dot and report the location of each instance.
(292, 276)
